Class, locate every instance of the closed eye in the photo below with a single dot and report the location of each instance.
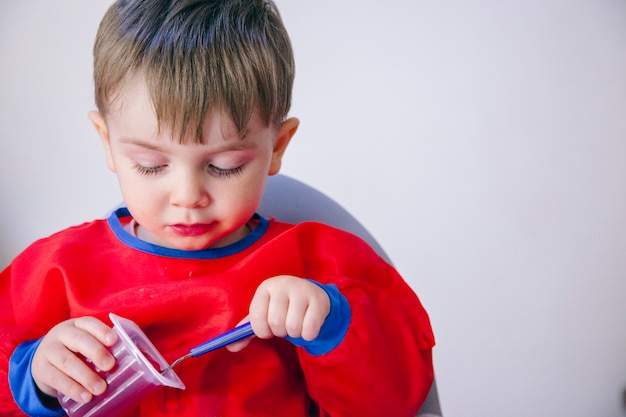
(142, 170)
(225, 172)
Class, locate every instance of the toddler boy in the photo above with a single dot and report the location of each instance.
(193, 99)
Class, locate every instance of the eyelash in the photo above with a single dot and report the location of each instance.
(215, 170)
(223, 172)
(142, 170)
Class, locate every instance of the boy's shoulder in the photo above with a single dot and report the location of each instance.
(81, 230)
(308, 228)
(311, 235)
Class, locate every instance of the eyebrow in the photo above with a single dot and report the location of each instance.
(142, 143)
(231, 145)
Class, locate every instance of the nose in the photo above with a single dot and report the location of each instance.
(189, 191)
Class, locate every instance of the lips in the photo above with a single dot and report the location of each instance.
(191, 229)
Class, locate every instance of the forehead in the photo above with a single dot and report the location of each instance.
(131, 113)
(132, 96)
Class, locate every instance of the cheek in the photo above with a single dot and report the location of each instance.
(247, 195)
(129, 184)
(255, 192)
(136, 193)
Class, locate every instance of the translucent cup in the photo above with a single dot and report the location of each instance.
(133, 376)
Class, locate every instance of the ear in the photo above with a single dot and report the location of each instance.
(101, 127)
(285, 133)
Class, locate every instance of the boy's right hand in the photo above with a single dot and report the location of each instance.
(57, 367)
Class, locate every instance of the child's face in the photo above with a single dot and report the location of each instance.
(188, 196)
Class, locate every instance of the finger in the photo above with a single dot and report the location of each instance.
(70, 366)
(97, 329)
(258, 314)
(277, 314)
(315, 316)
(313, 320)
(295, 316)
(88, 338)
(66, 385)
(239, 345)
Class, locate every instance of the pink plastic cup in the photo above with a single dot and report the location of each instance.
(133, 376)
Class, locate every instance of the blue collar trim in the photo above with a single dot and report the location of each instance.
(211, 253)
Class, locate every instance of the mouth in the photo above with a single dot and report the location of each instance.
(196, 229)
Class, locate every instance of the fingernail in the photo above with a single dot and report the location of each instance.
(109, 339)
(85, 397)
(108, 363)
(99, 387)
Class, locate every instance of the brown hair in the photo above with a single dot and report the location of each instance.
(196, 56)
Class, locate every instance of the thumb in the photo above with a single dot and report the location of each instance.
(239, 345)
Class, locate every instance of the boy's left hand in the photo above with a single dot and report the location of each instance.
(286, 306)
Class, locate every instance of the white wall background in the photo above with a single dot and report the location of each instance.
(483, 143)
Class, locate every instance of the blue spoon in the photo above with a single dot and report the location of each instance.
(231, 336)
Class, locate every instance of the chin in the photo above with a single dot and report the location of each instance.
(200, 243)
(189, 244)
